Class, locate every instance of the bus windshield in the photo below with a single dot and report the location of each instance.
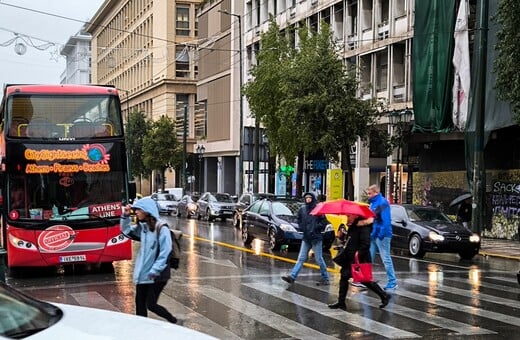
(65, 182)
(63, 116)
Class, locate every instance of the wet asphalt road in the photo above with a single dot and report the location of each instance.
(234, 292)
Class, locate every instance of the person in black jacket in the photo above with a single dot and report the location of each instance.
(312, 228)
(357, 238)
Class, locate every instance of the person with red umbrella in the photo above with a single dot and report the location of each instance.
(356, 239)
(312, 227)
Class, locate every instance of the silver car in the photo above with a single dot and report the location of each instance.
(215, 205)
(166, 203)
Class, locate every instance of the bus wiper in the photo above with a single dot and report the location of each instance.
(74, 217)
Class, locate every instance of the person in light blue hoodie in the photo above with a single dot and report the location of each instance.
(151, 268)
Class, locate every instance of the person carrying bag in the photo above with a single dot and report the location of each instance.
(357, 241)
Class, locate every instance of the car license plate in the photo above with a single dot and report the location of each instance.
(73, 258)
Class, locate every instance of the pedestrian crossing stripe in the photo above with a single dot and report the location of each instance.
(355, 320)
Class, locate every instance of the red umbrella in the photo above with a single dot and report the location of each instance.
(343, 207)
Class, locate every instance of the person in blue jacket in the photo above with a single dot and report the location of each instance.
(312, 228)
(151, 268)
(381, 235)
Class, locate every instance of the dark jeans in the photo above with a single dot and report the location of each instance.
(146, 296)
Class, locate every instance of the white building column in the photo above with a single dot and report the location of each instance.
(362, 169)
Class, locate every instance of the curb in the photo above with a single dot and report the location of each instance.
(504, 256)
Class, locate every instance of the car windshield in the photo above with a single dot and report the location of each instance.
(223, 198)
(21, 316)
(428, 215)
(284, 208)
(165, 197)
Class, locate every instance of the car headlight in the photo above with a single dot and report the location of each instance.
(287, 228)
(328, 228)
(435, 237)
(474, 238)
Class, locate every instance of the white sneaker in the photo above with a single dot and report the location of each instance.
(357, 284)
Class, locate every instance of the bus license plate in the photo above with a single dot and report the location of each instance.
(73, 258)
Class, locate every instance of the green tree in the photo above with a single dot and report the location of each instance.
(306, 98)
(161, 149)
(506, 63)
(137, 128)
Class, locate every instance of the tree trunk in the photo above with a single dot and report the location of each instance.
(299, 175)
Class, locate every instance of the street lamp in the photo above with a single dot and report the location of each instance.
(399, 121)
(241, 128)
(200, 151)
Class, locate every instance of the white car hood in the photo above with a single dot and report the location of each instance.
(82, 323)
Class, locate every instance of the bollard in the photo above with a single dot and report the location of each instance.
(3, 255)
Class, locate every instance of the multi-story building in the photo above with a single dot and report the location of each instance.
(144, 49)
(376, 36)
(77, 55)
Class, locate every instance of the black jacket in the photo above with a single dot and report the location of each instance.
(311, 226)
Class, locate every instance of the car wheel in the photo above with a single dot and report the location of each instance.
(414, 246)
(467, 254)
(274, 243)
(246, 238)
(208, 215)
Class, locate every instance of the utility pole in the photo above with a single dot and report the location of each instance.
(479, 171)
(184, 146)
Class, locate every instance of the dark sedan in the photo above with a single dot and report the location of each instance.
(423, 229)
(272, 221)
(245, 201)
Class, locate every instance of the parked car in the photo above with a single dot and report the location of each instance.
(188, 207)
(24, 317)
(245, 201)
(167, 203)
(215, 205)
(423, 229)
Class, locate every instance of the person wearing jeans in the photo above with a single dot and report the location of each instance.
(381, 235)
(312, 228)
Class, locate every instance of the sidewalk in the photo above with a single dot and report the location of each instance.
(500, 248)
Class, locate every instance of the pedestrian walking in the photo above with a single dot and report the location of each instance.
(151, 269)
(381, 235)
(356, 239)
(464, 213)
(312, 228)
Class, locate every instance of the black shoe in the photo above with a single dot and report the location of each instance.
(385, 300)
(173, 319)
(323, 283)
(288, 279)
(338, 305)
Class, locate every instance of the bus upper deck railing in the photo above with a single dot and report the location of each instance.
(67, 130)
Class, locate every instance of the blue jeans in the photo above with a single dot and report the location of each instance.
(384, 251)
(317, 247)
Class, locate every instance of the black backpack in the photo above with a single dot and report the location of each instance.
(175, 253)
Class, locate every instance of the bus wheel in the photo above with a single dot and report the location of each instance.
(106, 267)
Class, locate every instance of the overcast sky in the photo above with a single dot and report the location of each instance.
(35, 66)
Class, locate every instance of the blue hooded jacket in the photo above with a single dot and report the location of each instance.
(152, 257)
(382, 222)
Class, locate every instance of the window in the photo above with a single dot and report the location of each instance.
(182, 62)
(183, 21)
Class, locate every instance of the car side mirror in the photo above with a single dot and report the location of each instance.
(402, 222)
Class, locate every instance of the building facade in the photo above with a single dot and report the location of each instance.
(77, 59)
(144, 49)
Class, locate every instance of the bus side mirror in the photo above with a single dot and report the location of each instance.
(132, 190)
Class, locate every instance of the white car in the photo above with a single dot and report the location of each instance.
(22, 317)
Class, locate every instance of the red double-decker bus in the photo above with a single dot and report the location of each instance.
(64, 175)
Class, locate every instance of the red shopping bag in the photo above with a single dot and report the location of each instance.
(361, 272)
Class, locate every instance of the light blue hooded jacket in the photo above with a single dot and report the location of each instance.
(149, 262)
